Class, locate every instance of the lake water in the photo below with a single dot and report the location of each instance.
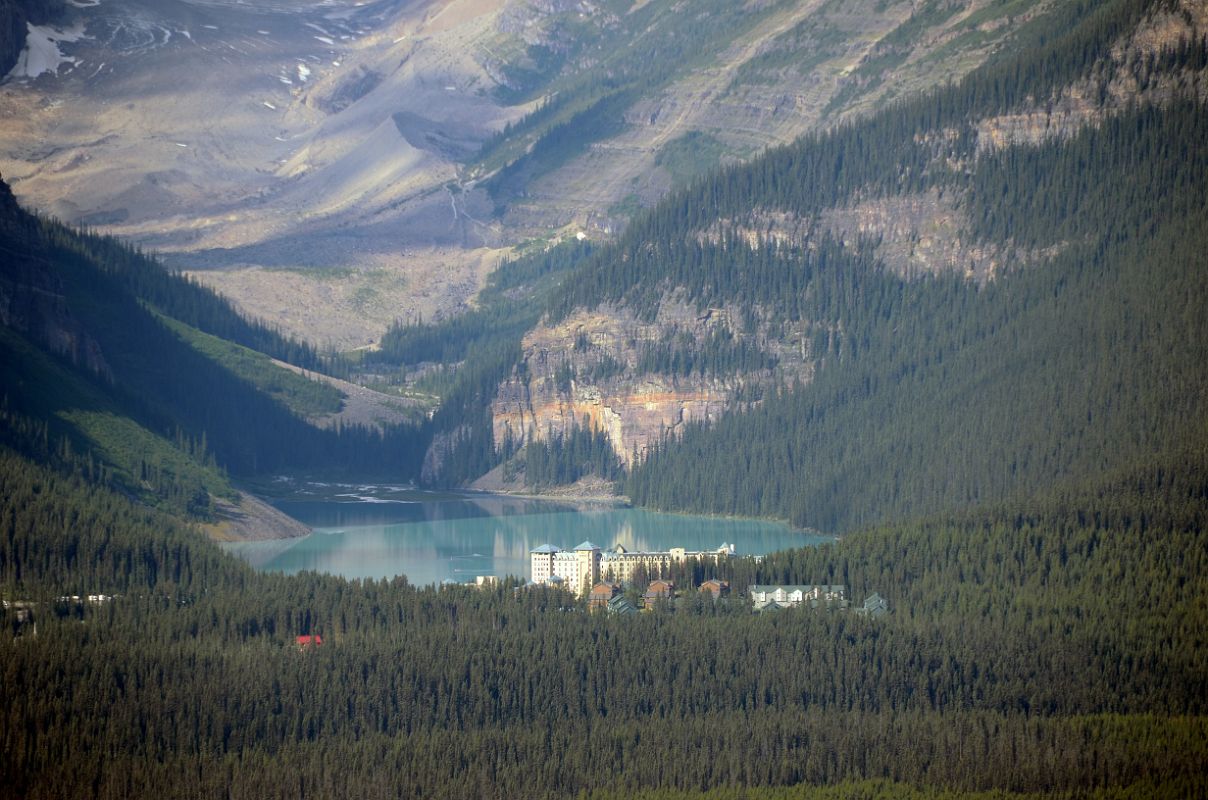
(383, 531)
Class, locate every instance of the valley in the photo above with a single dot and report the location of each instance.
(344, 188)
(140, 136)
(458, 283)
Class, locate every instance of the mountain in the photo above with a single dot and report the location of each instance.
(336, 165)
(878, 247)
(116, 369)
(974, 292)
(964, 329)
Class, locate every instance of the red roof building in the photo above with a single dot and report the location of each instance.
(308, 641)
(658, 590)
(601, 593)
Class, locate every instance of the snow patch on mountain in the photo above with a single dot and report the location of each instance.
(42, 53)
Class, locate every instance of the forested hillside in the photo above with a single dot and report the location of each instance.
(961, 298)
(1011, 436)
(1054, 646)
(938, 393)
(103, 357)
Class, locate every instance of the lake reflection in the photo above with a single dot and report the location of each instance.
(367, 531)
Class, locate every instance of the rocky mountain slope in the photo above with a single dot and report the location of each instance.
(377, 160)
(333, 165)
(591, 363)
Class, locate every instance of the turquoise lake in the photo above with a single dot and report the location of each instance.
(383, 531)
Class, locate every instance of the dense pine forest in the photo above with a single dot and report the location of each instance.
(926, 391)
(1017, 463)
(941, 392)
(1052, 646)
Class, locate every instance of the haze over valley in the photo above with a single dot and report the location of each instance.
(691, 399)
(322, 163)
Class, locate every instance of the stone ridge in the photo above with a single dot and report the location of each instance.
(562, 383)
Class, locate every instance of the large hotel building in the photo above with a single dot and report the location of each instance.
(580, 569)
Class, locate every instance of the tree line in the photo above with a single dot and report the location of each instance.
(935, 393)
(1050, 644)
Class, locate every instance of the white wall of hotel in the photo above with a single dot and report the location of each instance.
(584, 566)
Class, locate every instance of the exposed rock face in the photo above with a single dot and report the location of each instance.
(1061, 119)
(632, 413)
(916, 234)
(442, 443)
(347, 90)
(32, 302)
(913, 235)
(1131, 81)
(588, 369)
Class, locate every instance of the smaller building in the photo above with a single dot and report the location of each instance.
(874, 606)
(791, 596)
(601, 594)
(658, 590)
(716, 588)
(304, 642)
(621, 605)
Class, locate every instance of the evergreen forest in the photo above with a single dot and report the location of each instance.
(1016, 459)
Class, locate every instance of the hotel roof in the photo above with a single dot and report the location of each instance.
(546, 548)
(587, 546)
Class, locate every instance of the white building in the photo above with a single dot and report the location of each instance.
(587, 564)
(764, 597)
(541, 563)
(578, 569)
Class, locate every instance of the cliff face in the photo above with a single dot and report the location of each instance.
(633, 413)
(32, 302)
(599, 368)
(1129, 78)
(916, 234)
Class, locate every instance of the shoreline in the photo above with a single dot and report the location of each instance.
(255, 519)
(595, 499)
(251, 519)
